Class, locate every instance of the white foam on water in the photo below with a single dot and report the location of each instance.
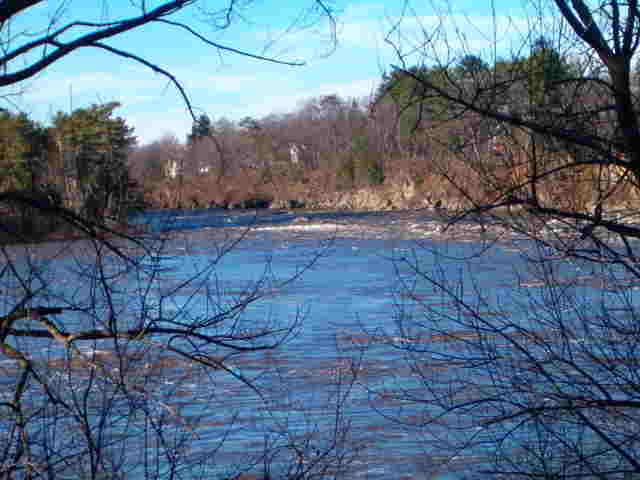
(307, 227)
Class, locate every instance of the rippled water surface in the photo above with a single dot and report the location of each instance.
(353, 279)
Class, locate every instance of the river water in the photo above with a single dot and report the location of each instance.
(344, 283)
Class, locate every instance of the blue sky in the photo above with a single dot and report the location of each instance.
(231, 86)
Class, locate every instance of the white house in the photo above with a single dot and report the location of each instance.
(171, 168)
(294, 152)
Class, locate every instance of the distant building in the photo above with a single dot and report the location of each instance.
(171, 169)
(294, 152)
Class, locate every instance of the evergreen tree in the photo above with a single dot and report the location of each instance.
(22, 146)
(472, 65)
(546, 69)
(93, 146)
(201, 128)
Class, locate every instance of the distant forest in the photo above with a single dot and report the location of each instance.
(402, 137)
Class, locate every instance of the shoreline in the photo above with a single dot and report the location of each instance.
(425, 223)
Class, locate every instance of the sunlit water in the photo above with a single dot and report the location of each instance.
(355, 283)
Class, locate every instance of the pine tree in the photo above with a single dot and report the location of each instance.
(201, 128)
(93, 147)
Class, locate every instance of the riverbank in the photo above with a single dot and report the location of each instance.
(433, 223)
(44, 227)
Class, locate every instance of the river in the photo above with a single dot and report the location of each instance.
(344, 283)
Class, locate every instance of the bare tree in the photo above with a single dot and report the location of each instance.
(565, 110)
(27, 52)
(123, 354)
(537, 378)
(125, 357)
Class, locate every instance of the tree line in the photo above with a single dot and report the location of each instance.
(404, 133)
(79, 163)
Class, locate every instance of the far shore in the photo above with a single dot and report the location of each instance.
(420, 223)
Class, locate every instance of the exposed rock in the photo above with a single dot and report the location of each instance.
(388, 197)
(403, 194)
(293, 204)
(288, 204)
